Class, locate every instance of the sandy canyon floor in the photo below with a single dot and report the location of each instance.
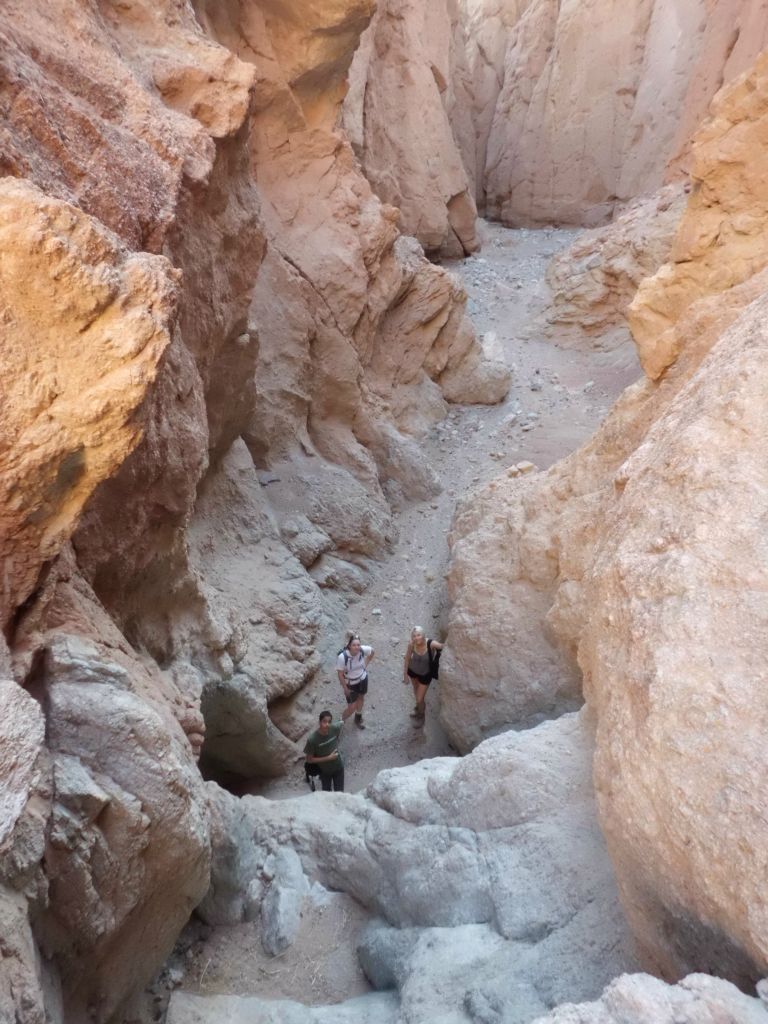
(557, 399)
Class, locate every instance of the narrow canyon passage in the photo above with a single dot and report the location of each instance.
(267, 376)
(558, 397)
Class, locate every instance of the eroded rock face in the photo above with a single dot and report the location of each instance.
(508, 671)
(481, 873)
(685, 700)
(594, 280)
(24, 808)
(407, 85)
(87, 326)
(563, 136)
(244, 332)
(126, 824)
(721, 241)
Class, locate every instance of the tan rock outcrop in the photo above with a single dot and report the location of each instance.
(594, 280)
(398, 114)
(86, 328)
(721, 241)
(673, 654)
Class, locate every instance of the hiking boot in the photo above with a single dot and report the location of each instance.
(359, 721)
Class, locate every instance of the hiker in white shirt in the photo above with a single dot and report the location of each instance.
(352, 668)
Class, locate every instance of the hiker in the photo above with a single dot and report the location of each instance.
(420, 668)
(322, 749)
(352, 667)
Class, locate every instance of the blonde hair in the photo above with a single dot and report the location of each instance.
(418, 629)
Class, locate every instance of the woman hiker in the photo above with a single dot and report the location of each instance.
(420, 668)
(352, 668)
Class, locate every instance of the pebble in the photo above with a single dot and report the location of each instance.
(376, 611)
(525, 467)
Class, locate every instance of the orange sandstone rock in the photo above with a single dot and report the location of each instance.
(85, 326)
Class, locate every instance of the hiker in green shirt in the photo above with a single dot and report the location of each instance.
(322, 749)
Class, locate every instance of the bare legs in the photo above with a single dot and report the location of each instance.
(419, 696)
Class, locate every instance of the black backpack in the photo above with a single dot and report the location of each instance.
(434, 661)
(311, 771)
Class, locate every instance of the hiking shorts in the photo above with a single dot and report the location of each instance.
(358, 690)
(424, 680)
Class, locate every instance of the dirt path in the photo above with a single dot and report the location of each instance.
(557, 399)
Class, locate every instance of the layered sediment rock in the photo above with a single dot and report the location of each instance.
(642, 556)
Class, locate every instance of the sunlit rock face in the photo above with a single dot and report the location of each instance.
(721, 241)
(641, 559)
(580, 106)
(86, 328)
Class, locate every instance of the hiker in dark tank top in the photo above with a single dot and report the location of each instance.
(420, 668)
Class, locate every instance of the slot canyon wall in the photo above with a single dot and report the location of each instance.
(209, 321)
(536, 112)
(580, 107)
(638, 564)
(213, 314)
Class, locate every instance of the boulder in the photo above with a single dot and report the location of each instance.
(479, 874)
(641, 999)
